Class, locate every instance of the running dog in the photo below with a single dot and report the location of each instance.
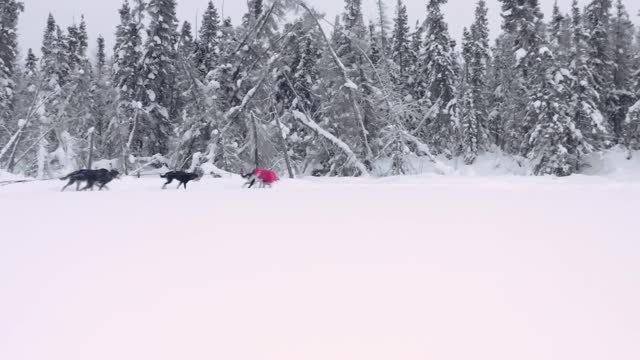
(263, 176)
(101, 177)
(182, 177)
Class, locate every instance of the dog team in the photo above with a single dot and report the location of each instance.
(102, 177)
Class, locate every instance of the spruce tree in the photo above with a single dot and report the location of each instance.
(383, 25)
(401, 47)
(504, 105)
(353, 34)
(622, 94)
(254, 11)
(475, 112)
(417, 45)
(632, 128)
(80, 79)
(159, 71)
(123, 27)
(56, 73)
(27, 88)
(551, 142)
(468, 118)
(103, 100)
(437, 81)
(128, 80)
(338, 33)
(9, 13)
(560, 34)
(186, 43)
(597, 21)
(209, 50)
(522, 22)
(375, 52)
(31, 63)
(584, 103)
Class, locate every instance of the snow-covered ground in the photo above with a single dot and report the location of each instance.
(438, 268)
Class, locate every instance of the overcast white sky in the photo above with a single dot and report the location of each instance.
(102, 15)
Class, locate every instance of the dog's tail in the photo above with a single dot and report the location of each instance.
(164, 176)
(65, 178)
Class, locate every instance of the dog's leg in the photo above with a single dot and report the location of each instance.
(167, 183)
(185, 185)
(66, 186)
(179, 184)
(88, 186)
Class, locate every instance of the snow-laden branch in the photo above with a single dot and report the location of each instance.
(12, 140)
(424, 148)
(303, 118)
(345, 77)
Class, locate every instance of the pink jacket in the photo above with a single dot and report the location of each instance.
(265, 175)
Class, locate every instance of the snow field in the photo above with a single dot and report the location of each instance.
(444, 268)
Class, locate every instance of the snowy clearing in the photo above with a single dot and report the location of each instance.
(439, 268)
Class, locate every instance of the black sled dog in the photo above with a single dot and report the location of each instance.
(100, 177)
(182, 177)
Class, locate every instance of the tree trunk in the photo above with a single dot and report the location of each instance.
(90, 161)
(12, 157)
(125, 167)
(283, 142)
(256, 150)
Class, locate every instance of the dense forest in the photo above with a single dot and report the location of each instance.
(288, 89)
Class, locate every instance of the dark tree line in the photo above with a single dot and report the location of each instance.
(284, 93)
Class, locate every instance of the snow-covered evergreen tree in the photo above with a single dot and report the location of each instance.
(9, 13)
(417, 45)
(57, 146)
(597, 22)
(158, 69)
(476, 54)
(436, 83)
(504, 106)
(522, 22)
(31, 63)
(103, 100)
(552, 140)
(209, 51)
(354, 34)
(128, 80)
(584, 102)
(78, 117)
(560, 34)
(401, 47)
(27, 91)
(375, 51)
(383, 26)
(622, 95)
(632, 127)
(469, 123)
(255, 9)
(186, 42)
